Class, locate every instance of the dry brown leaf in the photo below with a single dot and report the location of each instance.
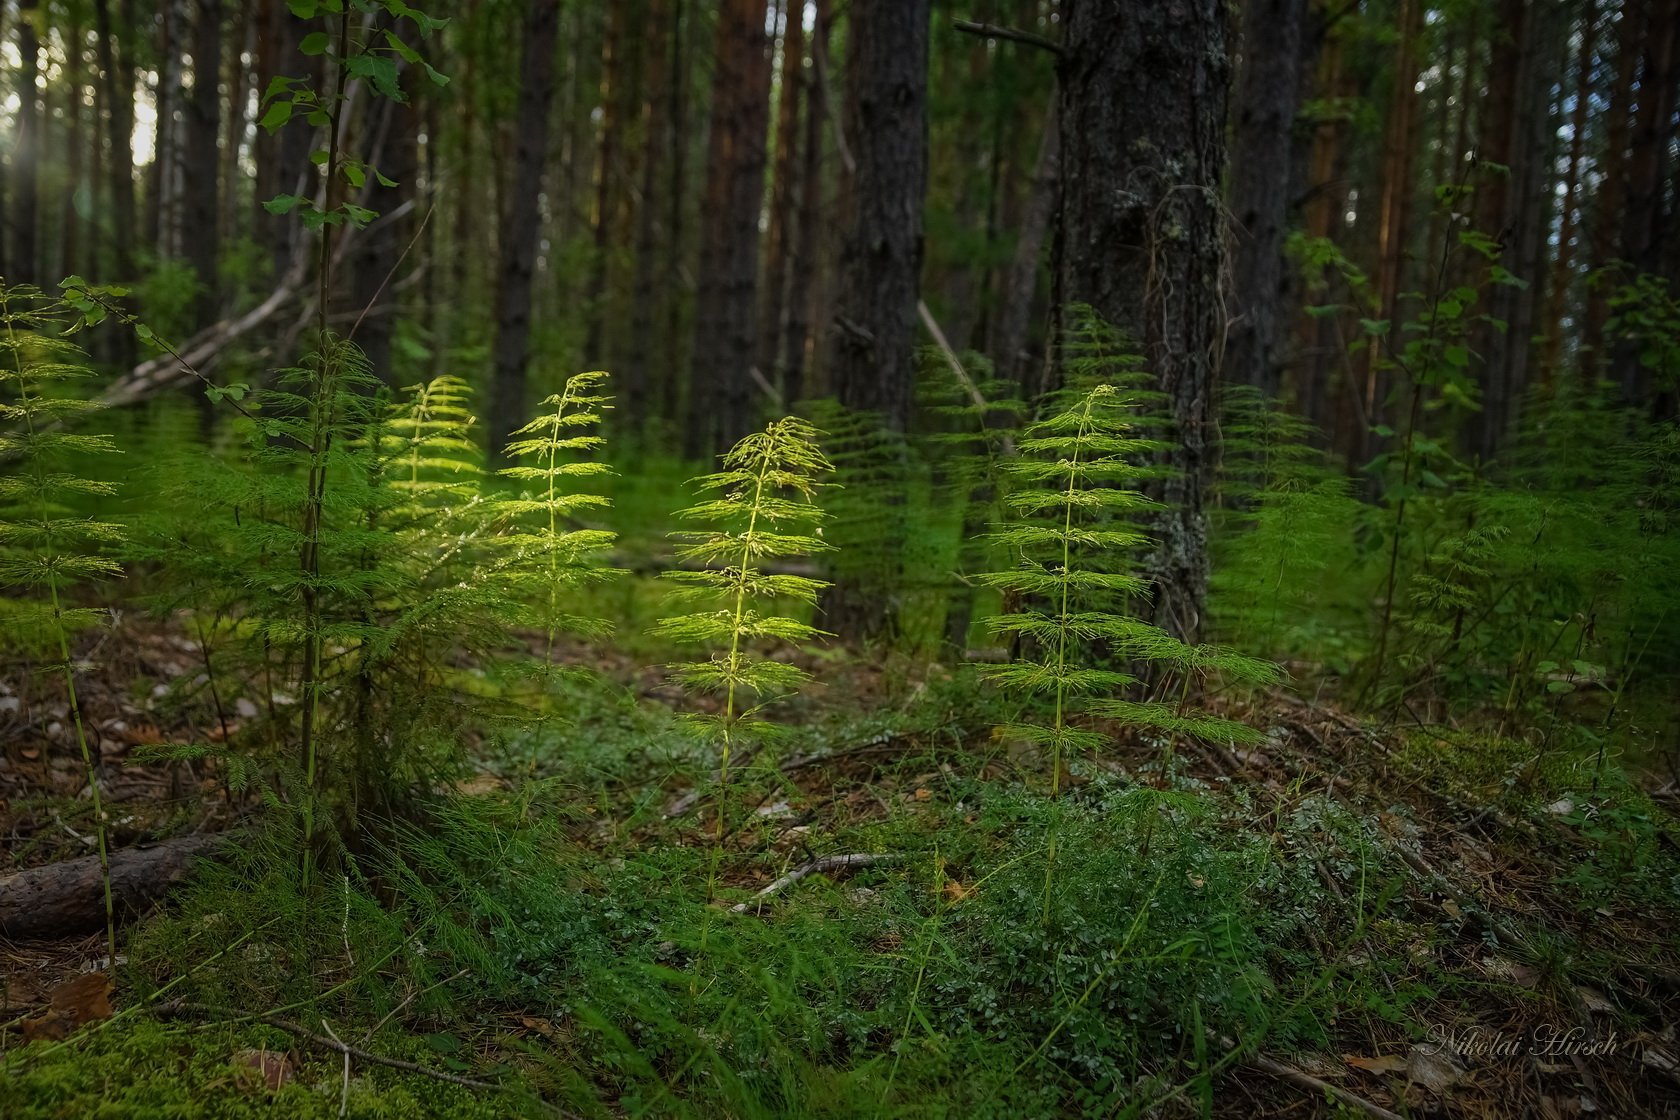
(272, 1067)
(1594, 1000)
(1450, 908)
(541, 1026)
(83, 998)
(923, 793)
(1386, 1063)
(957, 891)
(1433, 1067)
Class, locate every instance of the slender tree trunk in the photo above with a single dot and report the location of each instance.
(647, 295)
(374, 281)
(75, 85)
(720, 408)
(670, 383)
(117, 81)
(25, 258)
(1143, 100)
(784, 197)
(1266, 102)
(1612, 191)
(1563, 272)
(1643, 220)
(201, 209)
(807, 241)
(1012, 324)
(1322, 388)
(521, 224)
(608, 189)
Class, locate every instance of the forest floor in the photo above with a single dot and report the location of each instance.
(1349, 920)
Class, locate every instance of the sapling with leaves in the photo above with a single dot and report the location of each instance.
(1074, 537)
(46, 545)
(758, 509)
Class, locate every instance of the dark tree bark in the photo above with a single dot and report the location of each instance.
(1012, 326)
(874, 330)
(25, 256)
(1643, 219)
(1563, 270)
(378, 251)
(67, 899)
(609, 189)
(806, 241)
(69, 221)
(201, 209)
(163, 187)
(646, 293)
(670, 387)
(721, 388)
(1267, 97)
(1143, 98)
(521, 224)
(1607, 203)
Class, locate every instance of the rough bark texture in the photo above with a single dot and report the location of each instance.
(200, 209)
(377, 252)
(1563, 271)
(806, 242)
(67, 899)
(647, 293)
(521, 225)
(1607, 205)
(117, 82)
(1143, 95)
(1267, 97)
(721, 390)
(874, 329)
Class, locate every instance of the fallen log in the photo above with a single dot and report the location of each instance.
(68, 898)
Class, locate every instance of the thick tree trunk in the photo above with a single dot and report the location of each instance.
(25, 259)
(200, 206)
(874, 333)
(721, 389)
(1143, 98)
(609, 190)
(1267, 96)
(522, 224)
(378, 250)
(1563, 270)
(1608, 208)
(67, 899)
(677, 200)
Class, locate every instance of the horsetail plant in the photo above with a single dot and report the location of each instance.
(1070, 590)
(548, 553)
(759, 508)
(44, 544)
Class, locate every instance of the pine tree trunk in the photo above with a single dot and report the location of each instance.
(806, 242)
(608, 189)
(201, 210)
(1643, 220)
(378, 252)
(647, 295)
(1612, 189)
(1012, 325)
(721, 389)
(521, 225)
(25, 258)
(676, 237)
(1267, 95)
(70, 222)
(117, 83)
(784, 195)
(1140, 237)
(874, 335)
(1563, 272)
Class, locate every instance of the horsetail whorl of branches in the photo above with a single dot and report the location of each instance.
(759, 508)
(44, 544)
(547, 552)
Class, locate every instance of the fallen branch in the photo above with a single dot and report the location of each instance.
(1318, 1085)
(187, 1009)
(815, 867)
(957, 370)
(68, 897)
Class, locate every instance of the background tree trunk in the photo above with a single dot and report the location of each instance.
(1268, 92)
(1143, 97)
(25, 259)
(200, 187)
(521, 225)
(721, 390)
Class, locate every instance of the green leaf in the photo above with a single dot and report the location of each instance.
(315, 43)
(284, 203)
(304, 9)
(278, 114)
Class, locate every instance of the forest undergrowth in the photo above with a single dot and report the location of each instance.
(577, 837)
